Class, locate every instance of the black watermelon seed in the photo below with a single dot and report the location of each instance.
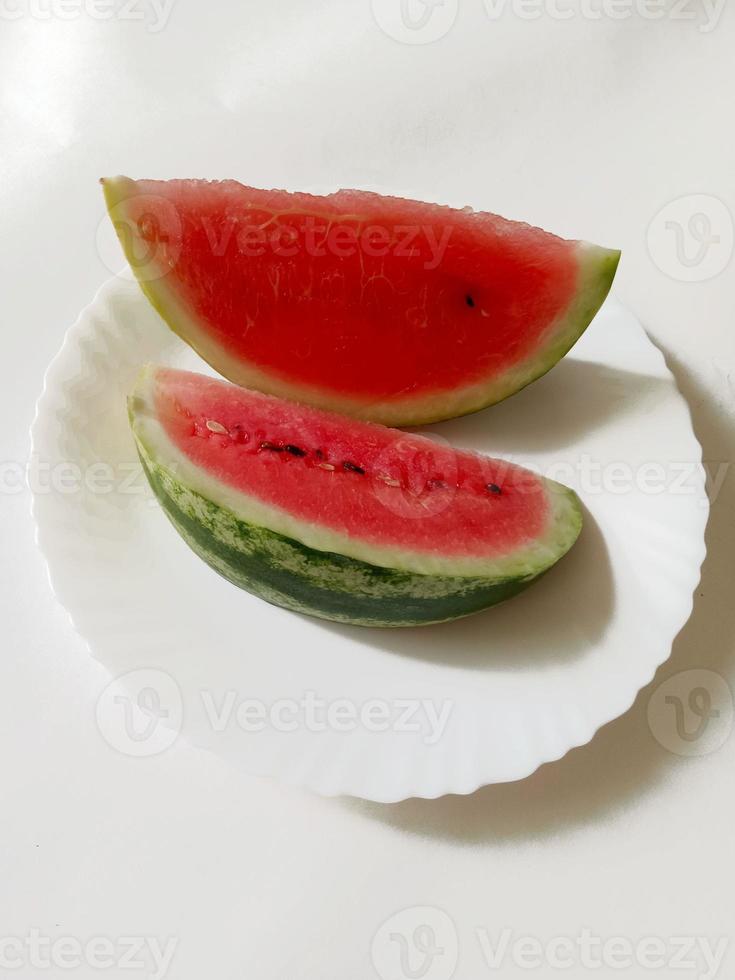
(353, 468)
(294, 450)
(494, 488)
(437, 484)
(469, 301)
(272, 446)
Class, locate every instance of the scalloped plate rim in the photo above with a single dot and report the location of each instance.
(337, 787)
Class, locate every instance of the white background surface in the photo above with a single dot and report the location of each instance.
(588, 127)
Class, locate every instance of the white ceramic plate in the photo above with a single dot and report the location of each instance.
(383, 715)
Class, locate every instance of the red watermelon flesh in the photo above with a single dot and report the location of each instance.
(363, 481)
(384, 308)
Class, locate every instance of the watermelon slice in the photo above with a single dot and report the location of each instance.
(379, 307)
(340, 518)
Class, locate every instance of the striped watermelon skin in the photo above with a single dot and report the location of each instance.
(287, 571)
(325, 585)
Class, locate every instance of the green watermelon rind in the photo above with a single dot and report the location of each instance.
(596, 271)
(329, 585)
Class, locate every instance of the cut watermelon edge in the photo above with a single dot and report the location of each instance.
(596, 271)
(231, 530)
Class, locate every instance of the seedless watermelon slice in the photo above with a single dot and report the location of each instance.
(379, 307)
(340, 518)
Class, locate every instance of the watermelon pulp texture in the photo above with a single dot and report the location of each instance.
(341, 518)
(380, 307)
